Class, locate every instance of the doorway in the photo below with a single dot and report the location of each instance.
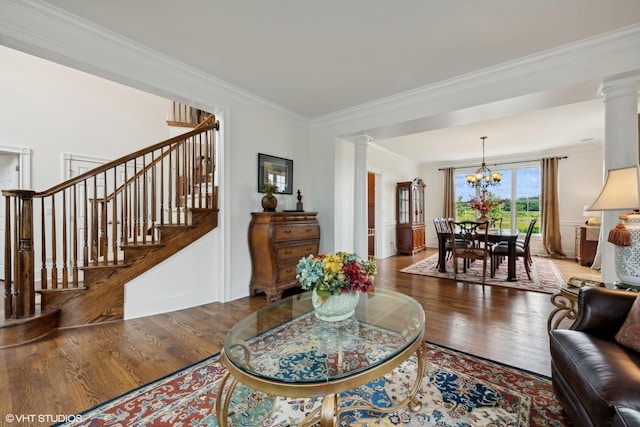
(15, 173)
(373, 215)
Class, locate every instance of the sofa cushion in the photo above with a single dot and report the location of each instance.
(629, 333)
(601, 373)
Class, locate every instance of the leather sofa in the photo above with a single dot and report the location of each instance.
(596, 379)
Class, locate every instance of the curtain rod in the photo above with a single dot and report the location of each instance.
(506, 163)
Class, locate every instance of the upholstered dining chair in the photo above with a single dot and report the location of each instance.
(496, 222)
(442, 234)
(523, 251)
(474, 244)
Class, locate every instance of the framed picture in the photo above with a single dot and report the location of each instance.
(275, 170)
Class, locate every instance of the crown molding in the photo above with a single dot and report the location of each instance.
(46, 31)
(614, 52)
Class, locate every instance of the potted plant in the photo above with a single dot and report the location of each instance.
(269, 201)
(336, 280)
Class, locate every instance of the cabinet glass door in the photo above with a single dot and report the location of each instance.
(403, 205)
(418, 214)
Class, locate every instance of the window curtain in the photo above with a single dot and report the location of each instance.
(449, 209)
(550, 222)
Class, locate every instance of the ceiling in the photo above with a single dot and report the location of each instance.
(318, 57)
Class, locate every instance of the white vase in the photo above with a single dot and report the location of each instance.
(337, 307)
(627, 258)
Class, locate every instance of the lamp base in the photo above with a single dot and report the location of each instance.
(626, 287)
(627, 258)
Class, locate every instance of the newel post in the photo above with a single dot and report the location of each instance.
(19, 223)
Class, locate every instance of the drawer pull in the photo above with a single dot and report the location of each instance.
(287, 231)
(287, 252)
(308, 230)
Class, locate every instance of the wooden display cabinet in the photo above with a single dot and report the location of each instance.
(410, 226)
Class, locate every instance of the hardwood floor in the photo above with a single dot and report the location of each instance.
(75, 369)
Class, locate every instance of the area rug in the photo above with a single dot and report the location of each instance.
(458, 390)
(545, 276)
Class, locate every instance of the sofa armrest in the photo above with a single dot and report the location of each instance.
(602, 311)
(626, 417)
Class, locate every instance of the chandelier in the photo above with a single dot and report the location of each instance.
(483, 177)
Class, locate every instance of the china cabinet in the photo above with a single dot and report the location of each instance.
(410, 224)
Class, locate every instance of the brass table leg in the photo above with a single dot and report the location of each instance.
(329, 411)
(415, 405)
(222, 411)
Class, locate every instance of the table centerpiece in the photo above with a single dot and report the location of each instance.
(336, 280)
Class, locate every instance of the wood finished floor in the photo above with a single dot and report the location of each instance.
(76, 369)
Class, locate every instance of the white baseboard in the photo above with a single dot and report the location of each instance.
(166, 303)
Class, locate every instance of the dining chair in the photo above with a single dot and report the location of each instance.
(522, 251)
(442, 239)
(474, 244)
(495, 222)
(444, 242)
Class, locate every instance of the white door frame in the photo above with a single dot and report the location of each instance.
(24, 183)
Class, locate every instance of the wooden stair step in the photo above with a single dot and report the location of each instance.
(19, 331)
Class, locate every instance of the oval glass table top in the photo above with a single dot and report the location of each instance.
(285, 342)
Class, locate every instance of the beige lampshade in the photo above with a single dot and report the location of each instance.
(620, 191)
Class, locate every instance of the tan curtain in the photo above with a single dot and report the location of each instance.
(550, 222)
(449, 205)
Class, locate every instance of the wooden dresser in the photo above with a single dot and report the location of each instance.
(277, 241)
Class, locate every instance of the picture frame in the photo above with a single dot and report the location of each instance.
(276, 170)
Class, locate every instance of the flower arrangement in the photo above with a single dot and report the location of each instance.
(335, 273)
(270, 187)
(486, 203)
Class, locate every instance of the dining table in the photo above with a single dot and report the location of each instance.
(495, 235)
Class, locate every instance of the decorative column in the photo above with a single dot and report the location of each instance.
(620, 150)
(360, 246)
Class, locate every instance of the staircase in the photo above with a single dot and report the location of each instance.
(76, 245)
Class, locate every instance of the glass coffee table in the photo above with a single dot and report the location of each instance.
(284, 350)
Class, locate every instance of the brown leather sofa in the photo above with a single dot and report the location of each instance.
(596, 379)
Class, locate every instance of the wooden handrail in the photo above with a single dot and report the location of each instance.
(84, 221)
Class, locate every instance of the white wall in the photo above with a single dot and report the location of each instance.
(256, 130)
(580, 179)
(393, 169)
(53, 109)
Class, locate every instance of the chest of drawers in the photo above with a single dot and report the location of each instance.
(586, 244)
(277, 241)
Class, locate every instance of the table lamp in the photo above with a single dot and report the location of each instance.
(620, 192)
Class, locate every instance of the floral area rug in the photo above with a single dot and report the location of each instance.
(458, 390)
(545, 276)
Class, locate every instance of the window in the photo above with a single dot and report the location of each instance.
(521, 184)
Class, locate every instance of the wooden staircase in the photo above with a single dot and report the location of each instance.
(99, 230)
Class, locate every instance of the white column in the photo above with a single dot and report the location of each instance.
(360, 222)
(620, 150)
